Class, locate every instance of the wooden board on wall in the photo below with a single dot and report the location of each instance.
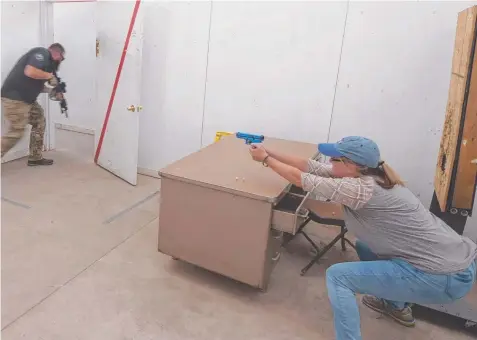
(462, 60)
(465, 181)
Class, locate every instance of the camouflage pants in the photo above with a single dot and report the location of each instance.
(19, 114)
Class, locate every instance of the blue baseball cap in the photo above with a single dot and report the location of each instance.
(361, 150)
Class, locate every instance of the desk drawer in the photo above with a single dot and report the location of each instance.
(289, 213)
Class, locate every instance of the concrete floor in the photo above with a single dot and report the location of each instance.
(80, 261)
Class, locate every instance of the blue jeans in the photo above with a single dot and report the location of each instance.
(395, 280)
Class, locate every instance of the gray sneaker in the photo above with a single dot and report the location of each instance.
(403, 316)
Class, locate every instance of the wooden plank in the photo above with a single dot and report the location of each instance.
(459, 43)
(465, 180)
(460, 65)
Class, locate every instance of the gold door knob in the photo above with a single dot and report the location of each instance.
(131, 108)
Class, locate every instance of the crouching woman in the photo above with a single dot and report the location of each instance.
(407, 254)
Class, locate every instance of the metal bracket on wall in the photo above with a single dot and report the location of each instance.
(462, 212)
(97, 47)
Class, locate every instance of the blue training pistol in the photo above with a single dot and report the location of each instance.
(249, 138)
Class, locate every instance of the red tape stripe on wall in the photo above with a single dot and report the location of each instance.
(116, 81)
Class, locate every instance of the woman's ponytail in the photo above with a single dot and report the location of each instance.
(387, 178)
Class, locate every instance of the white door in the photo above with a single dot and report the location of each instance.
(120, 34)
(12, 13)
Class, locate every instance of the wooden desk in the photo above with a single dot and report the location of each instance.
(217, 210)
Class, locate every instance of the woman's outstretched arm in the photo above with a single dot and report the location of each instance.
(296, 162)
(352, 192)
(304, 164)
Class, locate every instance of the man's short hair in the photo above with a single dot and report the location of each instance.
(58, 47)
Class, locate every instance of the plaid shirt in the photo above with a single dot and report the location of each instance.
(351, 192)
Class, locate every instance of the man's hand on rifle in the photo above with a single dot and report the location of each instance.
(59, 95)
(53, 81)
(59, 88)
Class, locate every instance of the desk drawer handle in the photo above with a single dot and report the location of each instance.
(276, 257)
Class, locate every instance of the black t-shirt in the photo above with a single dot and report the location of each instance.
(18, 86)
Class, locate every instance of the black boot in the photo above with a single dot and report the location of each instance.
(42, 161)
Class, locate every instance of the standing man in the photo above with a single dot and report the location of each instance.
(19, 98)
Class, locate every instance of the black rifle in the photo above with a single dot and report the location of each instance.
(61, 88)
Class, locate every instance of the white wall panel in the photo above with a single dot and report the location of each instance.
(272, 68)
(173, 79)
(75, 29)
